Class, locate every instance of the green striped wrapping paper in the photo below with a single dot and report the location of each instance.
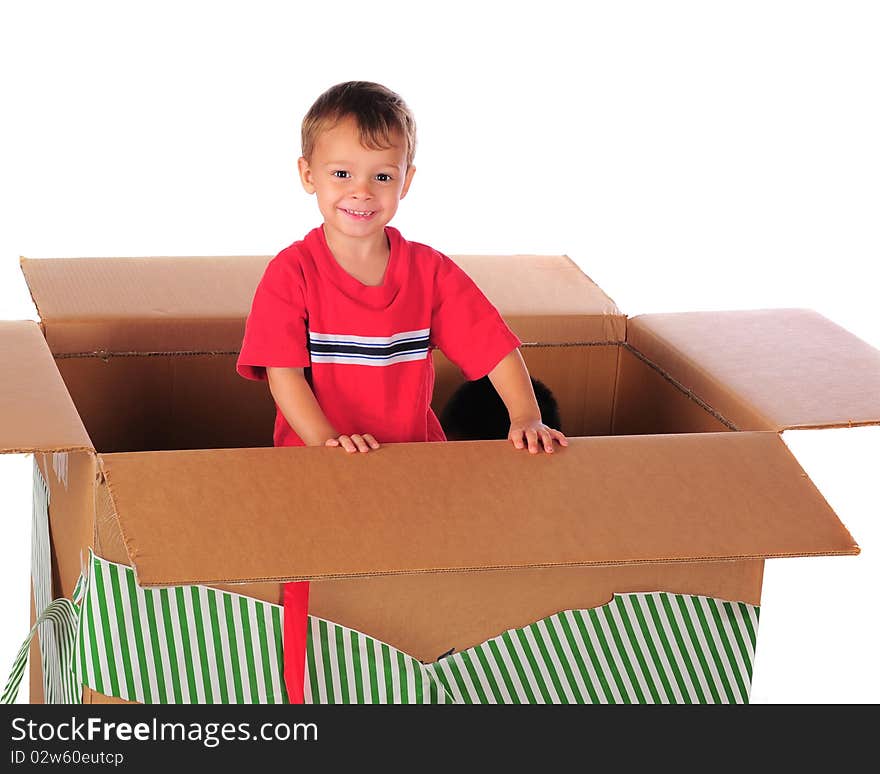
(200, 645)
(56, 620)
(180, 644)
(62, 615)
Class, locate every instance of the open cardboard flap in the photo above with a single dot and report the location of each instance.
(562, 305)
(766, 369)
(124, 305)
(38, 413)
(199, 304)
(260, 514)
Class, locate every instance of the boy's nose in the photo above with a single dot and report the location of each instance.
(363, 189)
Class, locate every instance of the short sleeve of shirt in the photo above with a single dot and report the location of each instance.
(465, 325)
(275, 330)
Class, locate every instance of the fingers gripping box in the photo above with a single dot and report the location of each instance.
(625, 567)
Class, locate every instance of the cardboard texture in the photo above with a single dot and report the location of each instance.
(158, 456)
(769, 369)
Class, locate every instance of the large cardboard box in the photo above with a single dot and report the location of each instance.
(625, 567)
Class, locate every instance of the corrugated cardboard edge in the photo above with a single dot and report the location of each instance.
(45, 448)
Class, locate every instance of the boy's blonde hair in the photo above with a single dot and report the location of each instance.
(379, 112)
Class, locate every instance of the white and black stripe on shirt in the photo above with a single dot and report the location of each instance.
(368, 350)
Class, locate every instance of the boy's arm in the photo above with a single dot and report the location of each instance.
(510, 378)
(300, 408)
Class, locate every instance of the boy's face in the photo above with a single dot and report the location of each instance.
(358, 188)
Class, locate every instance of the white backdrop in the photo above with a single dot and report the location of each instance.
(687, 155)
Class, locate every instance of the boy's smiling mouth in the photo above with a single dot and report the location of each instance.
(359, 214)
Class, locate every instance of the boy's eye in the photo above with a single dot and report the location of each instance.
(340, 173)
(383, 178)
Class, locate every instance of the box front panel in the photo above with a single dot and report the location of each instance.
(191, 644)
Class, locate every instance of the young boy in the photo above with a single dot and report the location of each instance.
(342, 322)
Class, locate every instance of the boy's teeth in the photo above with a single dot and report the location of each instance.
(357, 212)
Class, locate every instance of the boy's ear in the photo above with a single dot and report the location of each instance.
(305, 175)
(407, 180)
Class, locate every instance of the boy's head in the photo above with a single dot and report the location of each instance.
(475, 412)
(358, 144)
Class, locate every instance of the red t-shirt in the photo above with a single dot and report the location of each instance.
(369, 347)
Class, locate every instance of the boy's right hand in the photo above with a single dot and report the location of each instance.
(354, 442)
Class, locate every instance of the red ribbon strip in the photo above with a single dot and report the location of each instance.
(296, 611)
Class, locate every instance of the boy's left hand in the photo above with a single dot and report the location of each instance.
(535, 433)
